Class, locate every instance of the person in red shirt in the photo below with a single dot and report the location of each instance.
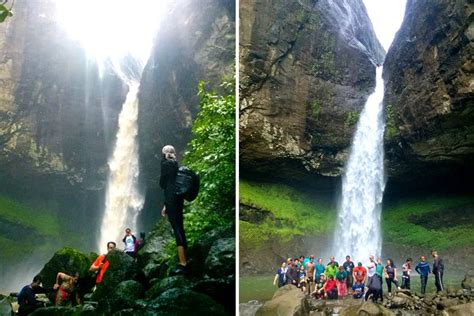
(359, 273)
(101, 264)
(330, 288)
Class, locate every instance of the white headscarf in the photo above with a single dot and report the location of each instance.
(169, 152)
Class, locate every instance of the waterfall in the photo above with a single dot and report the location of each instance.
(357, 230)
(123, 200)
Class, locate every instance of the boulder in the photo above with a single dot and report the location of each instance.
(249, 308)
(448, 303)
(5, 306)
(125, 295)
(220, 261)
(221, 290)
(468, 282)
(287, 300)
(460, 310)
(64, 311)
(122, 267)
(199, 251)
(366, 309)
(184, 302)
(177, 281)
(69, 261)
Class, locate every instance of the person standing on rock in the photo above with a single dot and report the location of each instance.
(174, 204)
(302, 279)
(281, 275)
(371, 267)
(406, 273)
(130, 243)
(319, 269)
(331, 270)
(331, 261)
(391, 275)
(349, 267)
(438, 270)
(423, 269)
(375, 289)
(310, 273)
(292, 274)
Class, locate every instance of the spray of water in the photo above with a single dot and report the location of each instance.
(358, 223)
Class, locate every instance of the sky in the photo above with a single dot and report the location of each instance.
(386, 17)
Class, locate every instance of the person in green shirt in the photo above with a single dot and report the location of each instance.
(319, 269)
(379, 272)
(331, 270)
(341, 277)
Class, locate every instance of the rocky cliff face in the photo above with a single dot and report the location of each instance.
(429, 94)
(195, 42)
(307, 68)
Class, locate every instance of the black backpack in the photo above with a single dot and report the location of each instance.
(187, 183)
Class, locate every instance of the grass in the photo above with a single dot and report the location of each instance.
(42, 221)
(261, 288)
(294, 213)
(399, 226)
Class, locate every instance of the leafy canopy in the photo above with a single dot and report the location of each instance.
(211, 154)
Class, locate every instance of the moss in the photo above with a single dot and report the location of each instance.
(324, 65)
(315, 109)
(391, 129)
(352, 118)
(294, 213)
(399, 226)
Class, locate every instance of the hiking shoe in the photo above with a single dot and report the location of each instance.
(180, 269)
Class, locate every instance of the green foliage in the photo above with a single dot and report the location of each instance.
(325, 65)
(315, 109)
(391, 129)
(296, 213)
(397, 226)
(352, 118)
(211, 154)
(5, 12)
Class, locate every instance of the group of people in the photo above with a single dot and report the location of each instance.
(332, 281)
(66, 285)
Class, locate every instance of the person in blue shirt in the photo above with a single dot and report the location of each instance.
(358, 290)
(281, 275)
(27, 297)
(423, 269)
(318, 270)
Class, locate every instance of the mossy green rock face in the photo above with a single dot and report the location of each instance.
(69, 261)
(303, 70)
(122, 267)
(184, 302)
(177, 281)
(428, 76)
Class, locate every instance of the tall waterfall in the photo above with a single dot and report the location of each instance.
(358, 223)
(123, 200)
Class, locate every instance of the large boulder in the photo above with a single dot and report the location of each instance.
(122, 267)
(287, 300)
(428, 76)
(177, 281)
(125, 295)
(459, 310)
(366, 309)
(184, 302)
(306, 70)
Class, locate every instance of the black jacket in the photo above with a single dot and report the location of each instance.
(169, 169)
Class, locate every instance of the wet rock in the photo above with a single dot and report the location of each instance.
(366, 309)
(287, 300)
(177, 281)
(184, 302)
(468, 282)
(220, 261)
(125, 295)
(249, 308)
(221, 290)
(448, 302)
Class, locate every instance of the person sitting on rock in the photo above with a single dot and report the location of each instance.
(130, 243)
(101, 264)
(341, 279)
(302, 279)
(319, 287)
(27, 297)
(281, 275)
(375, 289)
(359, 273)
(406, 273)
(423, 269)
(330, 288)
(358, 289)
(66, 289)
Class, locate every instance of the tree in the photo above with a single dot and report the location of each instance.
(4, 11)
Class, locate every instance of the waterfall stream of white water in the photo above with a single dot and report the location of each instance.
(358, 231)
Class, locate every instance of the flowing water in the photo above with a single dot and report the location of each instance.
(123, 200)
(358, 223)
